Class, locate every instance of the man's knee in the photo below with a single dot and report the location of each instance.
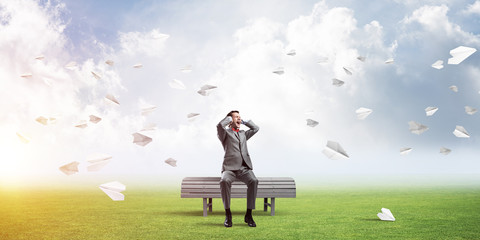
(253, 181)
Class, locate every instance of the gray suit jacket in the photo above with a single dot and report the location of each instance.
(235, 144)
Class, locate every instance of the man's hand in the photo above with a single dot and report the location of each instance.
(245, 121)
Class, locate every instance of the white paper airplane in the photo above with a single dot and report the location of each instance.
(405, 151)
(279, 71)
(459, 54)
(361, 58)
(417, 128)
(438, 64)
(112, 98)
(337, 82)
(177, 84)
(454, 88)
(172, 162)
(97, 162)
(71, 65)
(113, 189)
(292, 52)
(138, 65)
(386, 215)
(429, 111)
(347, 70)
(141, 139)
(26, 75)
(191, 115)
(40, 57)
(110, 62)
(460, 132)
(96, 75)
(148, 110)
(363, 113)
(186, 69)
(311, 123)
(470, 110)
(334, 151)
(82, 124)
(149, 127)
(70, 168)
(205, 89)
(95, 119)
(42, 120)
(322, 60)
(445, 151)
(389, 61)
(22, 138)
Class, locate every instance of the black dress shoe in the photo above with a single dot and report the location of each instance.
(249, 221)
(228, 221)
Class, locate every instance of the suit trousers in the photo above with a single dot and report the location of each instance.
(245, 175)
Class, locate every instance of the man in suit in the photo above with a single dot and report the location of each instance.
(237, 163)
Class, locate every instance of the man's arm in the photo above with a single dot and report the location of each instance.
(253, 128)
(221, 132)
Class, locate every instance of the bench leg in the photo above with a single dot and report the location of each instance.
(210, 204)
(265, 204)
(272, 207)
(204, 207)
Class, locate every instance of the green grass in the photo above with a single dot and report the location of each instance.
(316, 213)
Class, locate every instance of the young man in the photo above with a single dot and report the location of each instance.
(237, 163)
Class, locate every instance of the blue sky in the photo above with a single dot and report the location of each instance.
(236, 45)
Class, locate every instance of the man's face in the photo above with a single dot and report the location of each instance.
(236, 120)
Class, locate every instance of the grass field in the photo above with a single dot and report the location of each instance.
(433, 212)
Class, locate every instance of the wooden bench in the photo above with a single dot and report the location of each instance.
(209, 187)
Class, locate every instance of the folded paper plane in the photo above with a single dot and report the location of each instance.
(279, 71)
(417, 128)
(347, 70)
(177, 84)
(186, 69)
(97, 162)
(386, 215)
(26, 75)
(191, 115)
(149, 127)
(110, 62)
(71, 65)
(311, 123)
(95, 119)
(334, 151)
(405, 151)
(363, 113)
(361, 58)
(322, 60)
(389, 61)
(438, 64)
(82, 124)
(172, 162)
(337, 82)
(22, 138)
(112, 98)
(453, 88)
(40, 57)
(205, 89)
(445, 151)
(429, 111)
(148, 110)
(42, 120)
(141, 139)
(460, 53)
(96, 75)
(138, 65)
(470, 110)
(292, 52)
(113, 189)
(460, 132)
(70, 168)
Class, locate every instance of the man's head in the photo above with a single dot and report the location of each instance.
(236, 119)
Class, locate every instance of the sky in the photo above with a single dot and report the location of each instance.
(236, 46)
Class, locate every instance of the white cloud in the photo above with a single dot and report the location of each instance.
(473, 8)
(149, 43)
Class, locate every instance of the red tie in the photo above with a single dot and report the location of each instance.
(235, 130)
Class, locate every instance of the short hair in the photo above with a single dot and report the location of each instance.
(231, 112)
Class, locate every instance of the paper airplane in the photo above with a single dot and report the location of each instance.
(81, 124)
(138, 65)
(470, 110)
(42, 120)
(417, 128)
(389, 61)
(205, 89)
(191, 115)
(459, 54)
(110, 62)
(323, 60)
(445, 151)
(112, 98)
(311, 123)
(52, 120)
(172, 162)
(177, 84)
(40, 57)
(361, 58)
(347, 71)
(149, 127)
(26, 75)
(97, 162)
(22, 138)
(279, 71)
(405, 151)
(438, 64)
(113, 189)
(337, 82)
(386, 215)
(292, 52)
(96, 75)
(461, 132)
(186, 69)
(141, 139)
(334, 151)
(157, 35)
(148, 110)
(71, 65)
(363, 113)
(429, 111)
(454, 88)
(95, 119)
(70, 168)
